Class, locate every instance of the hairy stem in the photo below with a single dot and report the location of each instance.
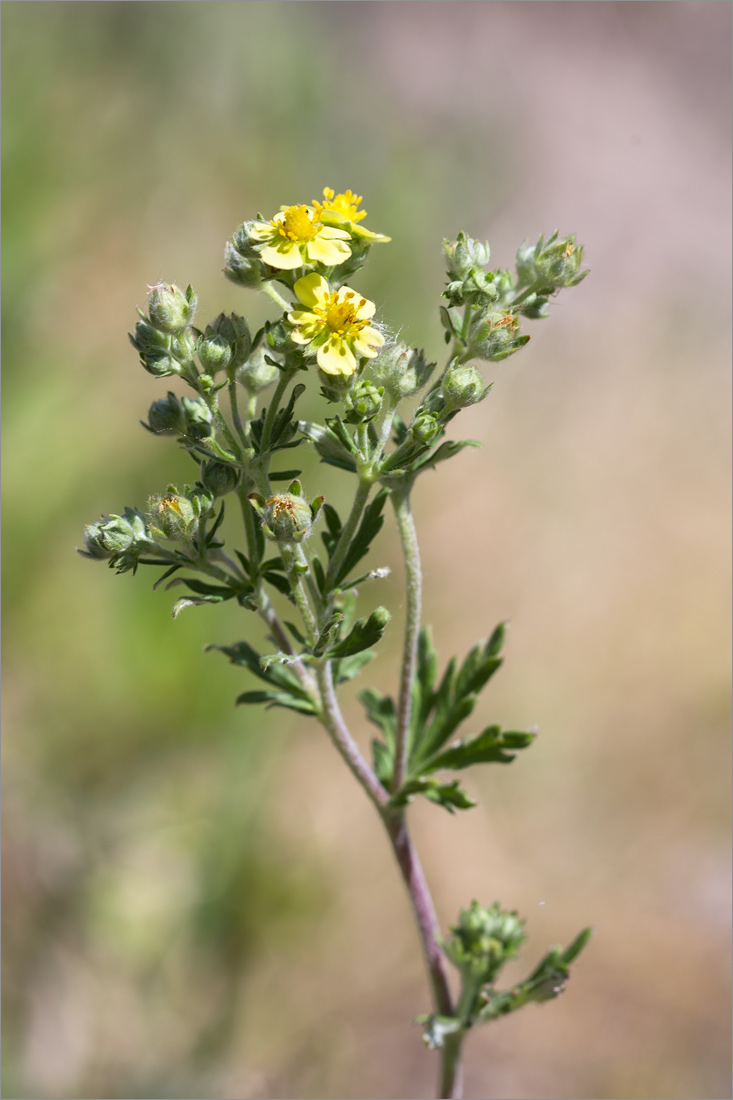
(347, 533)
(335, 726)
(277, 298)
(411, 553)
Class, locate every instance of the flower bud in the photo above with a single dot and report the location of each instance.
(235, 331)
(401, 370)
(214, 352)
(219, 478)
(463, 254)
(461, 387)
(494, 336)
(170, 309)
(364, 402)
(425, 427)
(551, 263)
(166, 416)
(241, 269)
(197, 417)
(287, 518)
(154, 348)
(173, 516)
(115, 535)
(336, 387)
(257, 373)
(483, 940)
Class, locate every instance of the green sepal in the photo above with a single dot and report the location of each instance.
(363, 634)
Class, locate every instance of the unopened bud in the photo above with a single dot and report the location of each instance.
(257, 373)
(495, 336)
(465, 253)
(114, 535)
(462, 386)
(170, 309)
(364, 402)
(166, 416)
(425, 427)
(154, 348)
(219, 478)
(173, 516)
(401, 370)
(551, 263)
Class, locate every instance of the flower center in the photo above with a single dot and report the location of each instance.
(297, 225)
(342, 316)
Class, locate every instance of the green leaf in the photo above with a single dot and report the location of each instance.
(383, 760)
(370, 526)
(192, 601)
(451, 796)
(277, 699)
(363, 634)
(380, 709)
(442, 711)
(330, 445)
(492, 746)
(445, 451)
(349, 667)
(280, 676)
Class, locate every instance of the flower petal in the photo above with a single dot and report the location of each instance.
(329, 233)
(285, 255)
(261, 231)
(336, 357)
(312, 290)
(327, 251)
(367, 341)
(359, 231)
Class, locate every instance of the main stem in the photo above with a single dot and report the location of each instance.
(450, 1085)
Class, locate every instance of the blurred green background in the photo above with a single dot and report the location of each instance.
(198, 900)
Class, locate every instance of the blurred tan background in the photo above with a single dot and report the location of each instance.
(198, 900)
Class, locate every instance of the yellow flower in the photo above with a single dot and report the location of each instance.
(343, 210)
(334, 324)
(297, 236)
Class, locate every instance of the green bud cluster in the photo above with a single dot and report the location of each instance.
(161, 339)
(118, 539)
(483, 940)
